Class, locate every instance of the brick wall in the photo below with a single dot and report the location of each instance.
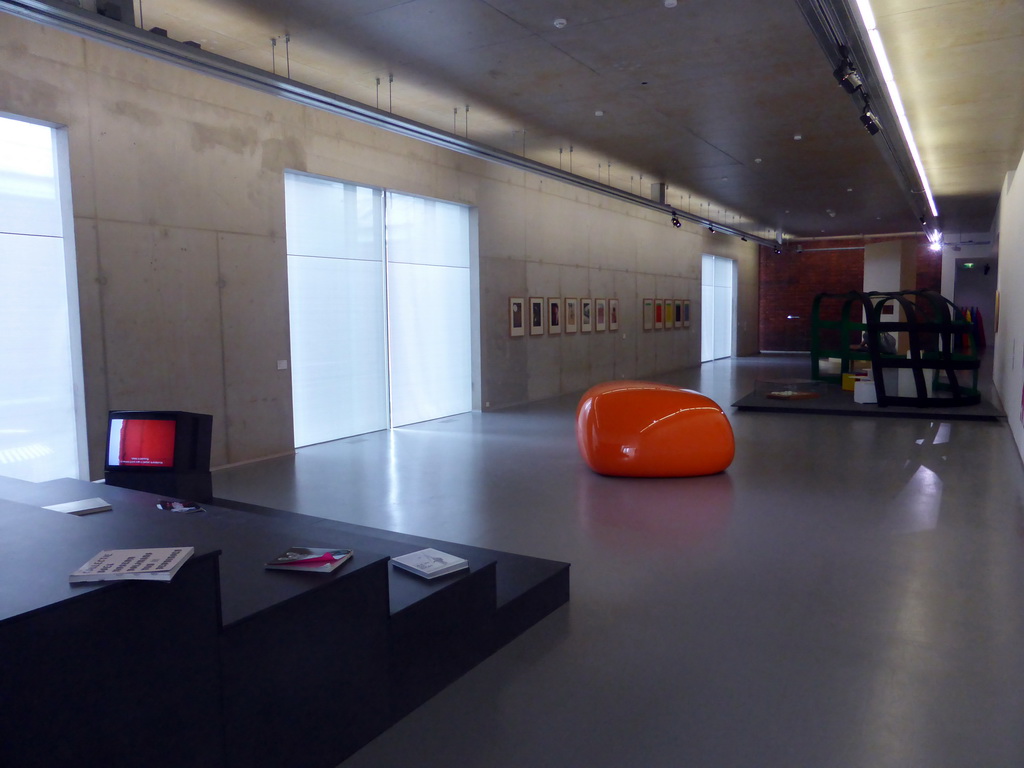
(929, 269)
(791, 280)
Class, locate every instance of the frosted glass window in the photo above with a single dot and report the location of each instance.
(332, 219)
(429, 309)
(424, 231)
(336, 308)
(41, 394)
(29, 183)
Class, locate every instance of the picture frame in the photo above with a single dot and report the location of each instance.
(600, 314)
(686, 313)
(647, 311)
(613, 314)
(536, 316)
(571, 317)
(554, 316)
(677, 313)
(586, 315)
(516, 316)
(659, 314)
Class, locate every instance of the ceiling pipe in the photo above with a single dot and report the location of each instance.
(71, 19)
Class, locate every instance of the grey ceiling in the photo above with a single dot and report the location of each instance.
(708, 96)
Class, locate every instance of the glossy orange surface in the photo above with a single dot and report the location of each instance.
(645, 429)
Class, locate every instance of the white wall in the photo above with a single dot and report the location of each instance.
(883, 267)
(1008, 372)
(178, 191)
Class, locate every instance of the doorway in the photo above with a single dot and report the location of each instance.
(718, 307)
(379, 292)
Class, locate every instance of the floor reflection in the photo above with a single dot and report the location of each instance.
(657, 513)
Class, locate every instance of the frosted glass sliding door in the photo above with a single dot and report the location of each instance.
(336, 308)
(718, 307)
(429, 308)
(379, 303)
(41, 393)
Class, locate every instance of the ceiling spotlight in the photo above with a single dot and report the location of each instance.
(777, 249)
(870, 121)
(676, 222)
(848, 77)
(711, 229)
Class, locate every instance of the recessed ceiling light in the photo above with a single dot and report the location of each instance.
(797, 137)
(599, 113)
(560, 23)
(670, 3)
(757, 159)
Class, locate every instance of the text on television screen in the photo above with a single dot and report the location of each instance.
(141, 443)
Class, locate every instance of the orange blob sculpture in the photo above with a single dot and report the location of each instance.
(645, 429)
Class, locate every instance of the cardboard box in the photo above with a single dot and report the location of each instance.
(830, 366)
(864, 391)
(849, 379)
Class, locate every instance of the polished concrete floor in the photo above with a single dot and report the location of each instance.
(849, 593)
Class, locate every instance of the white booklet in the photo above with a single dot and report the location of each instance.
(81, 507)
(430, 563)
(154, 564)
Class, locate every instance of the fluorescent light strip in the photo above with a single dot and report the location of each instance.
(868, 17)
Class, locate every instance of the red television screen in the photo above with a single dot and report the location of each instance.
(141, 443)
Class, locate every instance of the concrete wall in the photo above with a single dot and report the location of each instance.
(177, 183)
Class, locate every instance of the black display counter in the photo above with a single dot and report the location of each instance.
(230, 664)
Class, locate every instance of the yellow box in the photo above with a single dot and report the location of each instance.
(849, 379)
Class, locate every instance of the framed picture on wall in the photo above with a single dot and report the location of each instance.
(572, 315)
(677, 313)
(648, 313)
(554, 315)
(613, 314)
(659, 313)
(516, 316)
(536, 316)
(686, 314)
(586, 315)
(600, 314)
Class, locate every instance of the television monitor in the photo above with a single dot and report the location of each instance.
(148, 441)
(166, 452)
